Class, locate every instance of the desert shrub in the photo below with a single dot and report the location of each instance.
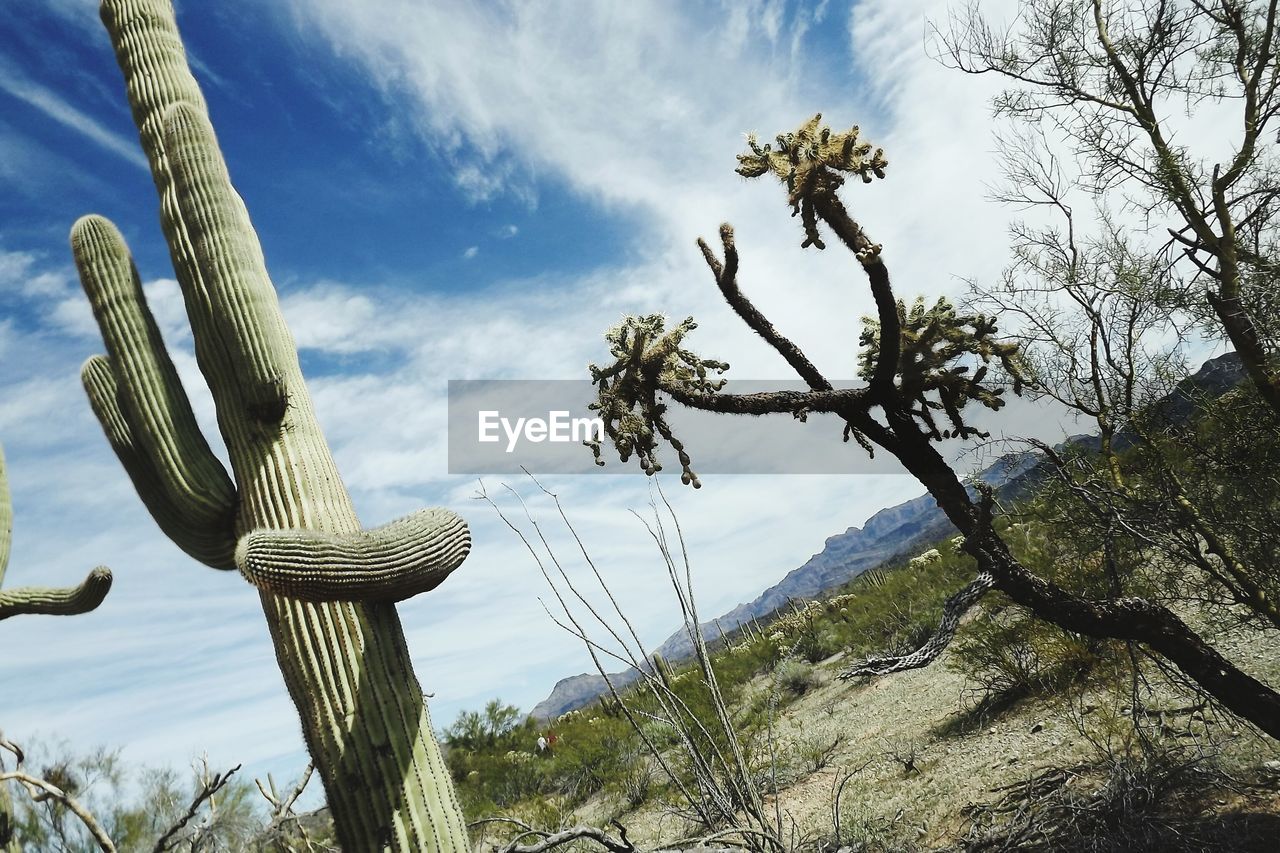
(1149, 799)
(817, 643)
(896, 607)
(742, 661)
(1007, 654)
(492, 757)
(591, 755)
(815, 749)
(805, 632)
(795, 677)
(638, 779)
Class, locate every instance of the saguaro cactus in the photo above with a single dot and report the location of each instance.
(282, 517)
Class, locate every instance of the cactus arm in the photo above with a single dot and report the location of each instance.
(389, 563)
(57, 602)
(182, 480)
(213, 545)
(262, 365)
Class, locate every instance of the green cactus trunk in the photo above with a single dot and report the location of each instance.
(284, 518)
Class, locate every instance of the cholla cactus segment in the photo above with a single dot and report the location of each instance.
(647, 358)
(813, 146)
(810, 161)
(68, 601)
(389, 563)
(936, 343)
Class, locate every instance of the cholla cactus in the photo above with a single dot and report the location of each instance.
(647, 356)
(281, 516)
(809, 161)
(928, 558)
(932, 358)
(935, 342)
(57, 602)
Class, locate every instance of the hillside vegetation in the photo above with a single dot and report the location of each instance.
(924, 759)
(1022, 736)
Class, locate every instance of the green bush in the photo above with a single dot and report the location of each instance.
(1008, 654)
(795, 677)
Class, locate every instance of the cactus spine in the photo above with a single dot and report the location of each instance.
(282, 516)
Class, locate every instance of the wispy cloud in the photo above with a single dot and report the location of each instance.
(58, 109)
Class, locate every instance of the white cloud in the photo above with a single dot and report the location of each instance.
(471, 252)
(15, 268)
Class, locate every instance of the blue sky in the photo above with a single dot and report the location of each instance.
(446, 191)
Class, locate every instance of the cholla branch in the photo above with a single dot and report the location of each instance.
(550, 840)
(809, 161)
(932, 374)
(726, 276)
(918, 360)
(647, 357)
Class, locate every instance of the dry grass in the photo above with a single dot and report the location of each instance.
(953, 768)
